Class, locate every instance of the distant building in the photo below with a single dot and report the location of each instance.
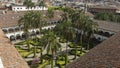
(106, 9)
(24, 8)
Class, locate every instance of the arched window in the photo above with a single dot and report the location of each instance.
(12, 38)
(11, 30)
(32, 33)
(18, 36)
(17, 29)
(4, 30)
(24, 36)
(37, 32)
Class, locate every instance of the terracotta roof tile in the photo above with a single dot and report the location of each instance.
(111, 26)
(104, 55)
(11, 19)
(9, 55)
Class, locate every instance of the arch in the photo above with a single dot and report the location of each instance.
(12, 38)
(17, 29)
(100, 32)
(4, 30)
(99, 38)
(32, 33)
(37, 32)
(24, 36)
(58, 21)
(22, 28)
(48, 23)
(93, 38)
(48, 29)
(55, 22)
(18, 36)
(52, 23)
(107, 34)
(52, 27)
(111, 34)
(11, 30)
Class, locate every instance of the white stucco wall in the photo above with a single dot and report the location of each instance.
(30, 30)
(1, 64)
(24, 8)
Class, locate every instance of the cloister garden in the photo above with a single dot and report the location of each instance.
(71, 37)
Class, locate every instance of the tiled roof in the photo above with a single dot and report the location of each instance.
(9, 55)
(110, 26)
(11, 18)
(105, 7)
(104, 55)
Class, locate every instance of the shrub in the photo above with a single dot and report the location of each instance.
(73, 45)
(72, 52)
(20, 43)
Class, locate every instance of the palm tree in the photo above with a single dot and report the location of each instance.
(42, 44)
(37, 20)
(67, 32)
(42, 4)
(76, 48)
(26, 22)
(91, 26)
(35, 42)
(79, 23)
(27, 42)
(53, 46)
(85, 25)
(50, 14)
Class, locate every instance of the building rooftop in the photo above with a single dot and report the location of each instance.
(105, 7)
(11, 18)
(9, 55)
(110, 26)
(104, 55)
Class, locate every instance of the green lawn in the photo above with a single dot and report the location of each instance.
(78, 52)
(24, 52)
(73, 45)
(45, 62)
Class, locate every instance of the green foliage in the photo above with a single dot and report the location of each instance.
(64, 29)
(24, 53)
(108, 17)
(66, 59)
(78, 52)
(61, 60)
(52, 63)
(19, 43)
(44, 64)
(31, 19)
(28, 3)
(74, 45)
(50, 13)
(42, 3)
(62, 40)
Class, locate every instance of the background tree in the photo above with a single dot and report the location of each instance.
(53, 45)
(28, 3)
(42, 44)
(26, 22)
(90, 29)
(50, 14)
